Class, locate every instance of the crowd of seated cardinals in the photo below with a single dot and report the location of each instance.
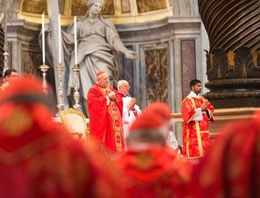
(39, 158)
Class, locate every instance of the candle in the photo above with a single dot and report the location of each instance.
(75, 40)
(59, 38)
(43, 40)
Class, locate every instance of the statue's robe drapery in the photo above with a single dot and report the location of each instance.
(105, 119)
(96, 43)
(155, 172)
(196, 137)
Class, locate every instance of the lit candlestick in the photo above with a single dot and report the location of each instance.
(43, 40)
(75, 40)
(59, 38)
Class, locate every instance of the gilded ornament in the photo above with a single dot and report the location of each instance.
(211, 59)
(150, 5)
(255, 55)
(231, 60)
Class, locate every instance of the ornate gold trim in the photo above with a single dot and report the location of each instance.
(197, 126)
(73, 111)
(198, 131)
(187, 143)
(117, 130)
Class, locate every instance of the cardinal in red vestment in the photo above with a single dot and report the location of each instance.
(196, 112)
(153, 168)
(105, 118)
(39, 158)
(232, 166)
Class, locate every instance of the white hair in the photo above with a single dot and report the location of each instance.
(120, 83)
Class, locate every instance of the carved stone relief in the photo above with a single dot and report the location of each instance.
(234, 75)
(109, 8)
(125, 6)
(244, 61)
(34, 6)
(240, 64)
(79, 8)
(150, 5)
(157, 75)
(61, 6)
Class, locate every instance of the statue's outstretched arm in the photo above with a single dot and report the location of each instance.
(115, 41)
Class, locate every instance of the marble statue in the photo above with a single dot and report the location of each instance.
(97, 41)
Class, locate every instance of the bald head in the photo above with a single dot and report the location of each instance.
(123, 86)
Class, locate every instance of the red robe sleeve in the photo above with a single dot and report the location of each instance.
(188, 110)
(211, 110)
(97, 108)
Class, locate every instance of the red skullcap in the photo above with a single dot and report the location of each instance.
(100, 73)
(161, 109)
(147, 120)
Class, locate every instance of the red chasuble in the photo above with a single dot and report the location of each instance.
(105, 120)
(155, 172)
(196, 137)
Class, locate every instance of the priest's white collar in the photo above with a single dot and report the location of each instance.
(193, 95)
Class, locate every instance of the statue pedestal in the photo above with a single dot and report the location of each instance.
(223, 116)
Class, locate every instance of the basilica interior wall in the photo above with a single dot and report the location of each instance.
(167, 37)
